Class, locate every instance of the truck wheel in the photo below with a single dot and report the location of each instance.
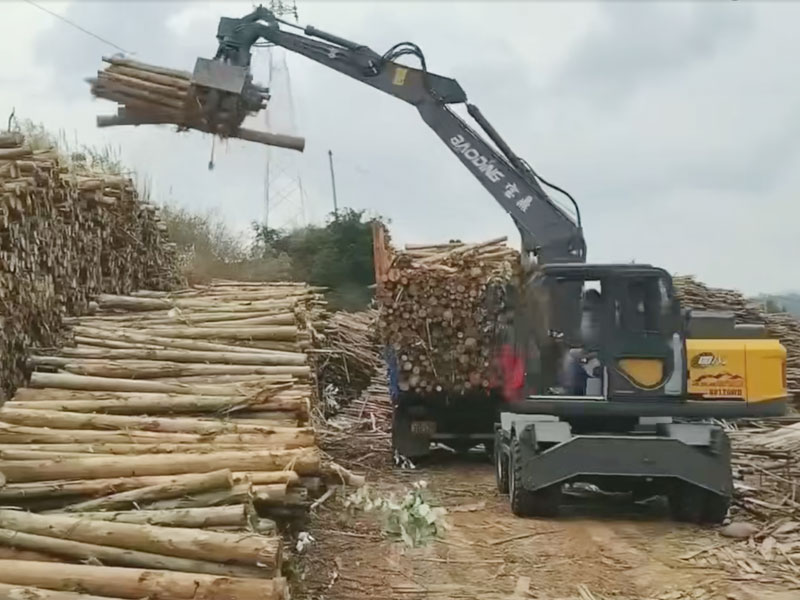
(404, 442)
(500, 467)
(524, 503)
(687, 502)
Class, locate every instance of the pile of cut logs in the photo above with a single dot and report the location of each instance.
(163, 452)
(697, 295)
(67, 234)
(784, 327)
(148, 94)
(436, 314)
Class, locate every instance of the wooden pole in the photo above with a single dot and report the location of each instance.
(305, 461)
(191, 356)
(75, 420)
(135, 584)
(113, 556)
(69, 381)
(160, 404)
(17, 592)
(170, 541)
(268, 437)
(100, 487)
(235, 515)
(180, 486)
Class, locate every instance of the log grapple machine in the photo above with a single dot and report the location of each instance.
(632, 402)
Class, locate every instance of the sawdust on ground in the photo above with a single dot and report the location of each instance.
(600, 548)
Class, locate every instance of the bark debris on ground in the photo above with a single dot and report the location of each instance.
(600, 548)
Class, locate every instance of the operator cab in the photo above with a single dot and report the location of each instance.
(604, 332)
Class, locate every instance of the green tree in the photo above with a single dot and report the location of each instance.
(337, 255)
(266, 238)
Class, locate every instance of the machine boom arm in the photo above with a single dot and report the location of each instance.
(546, 229)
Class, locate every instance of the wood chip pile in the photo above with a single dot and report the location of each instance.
(350, 358)
(784, 327)
(766, 508)
(147, 94)
(366, 420)
(371, 412)
(436, 314)
(67, 234)
(353, 387)
(162, 454)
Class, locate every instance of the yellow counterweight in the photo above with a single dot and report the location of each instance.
(741, 369)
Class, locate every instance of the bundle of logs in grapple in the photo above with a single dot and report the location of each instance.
(67, 233)
(148, 94)
(162, 453)
(782, 326)
(440, 305)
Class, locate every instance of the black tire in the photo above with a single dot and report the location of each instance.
(500, 468)
(403, 441)
(687, 503)
(524, 503)
(716, 508)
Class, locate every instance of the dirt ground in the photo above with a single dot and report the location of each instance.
(600, 548)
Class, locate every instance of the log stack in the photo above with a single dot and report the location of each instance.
(439, 310)
(784, 327)
(163, 453)
(697, 295)
(148, 94)
(67, 234)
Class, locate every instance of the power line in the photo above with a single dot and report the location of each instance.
(76, 26)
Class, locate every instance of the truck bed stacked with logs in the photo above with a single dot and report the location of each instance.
(440, 309)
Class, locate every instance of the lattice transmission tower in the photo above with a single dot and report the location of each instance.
(284, 196)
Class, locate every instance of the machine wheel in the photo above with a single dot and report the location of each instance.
(524, 503)
(716, 508)
(500, 467)
(693, 504)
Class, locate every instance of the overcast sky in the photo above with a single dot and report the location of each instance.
(676, 126)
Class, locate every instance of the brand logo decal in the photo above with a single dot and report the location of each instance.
(485, 165)
(707, 359)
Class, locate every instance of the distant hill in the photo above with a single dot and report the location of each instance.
(789, 302)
